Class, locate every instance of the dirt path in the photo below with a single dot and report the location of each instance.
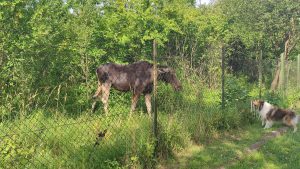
(256, 146)
(182, 159)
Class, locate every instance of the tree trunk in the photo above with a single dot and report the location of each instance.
(290, 43)
(276, 79)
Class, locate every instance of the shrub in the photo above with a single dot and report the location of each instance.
(236, 90)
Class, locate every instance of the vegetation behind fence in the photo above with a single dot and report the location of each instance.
(49, 52)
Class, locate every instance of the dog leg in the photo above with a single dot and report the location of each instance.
(268, 124)
(295, 128)
(263, 121)
(294, 123)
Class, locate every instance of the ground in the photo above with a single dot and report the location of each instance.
(232, 150)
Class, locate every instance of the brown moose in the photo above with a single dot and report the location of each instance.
(136, 77)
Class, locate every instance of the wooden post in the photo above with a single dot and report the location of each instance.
(288, 66)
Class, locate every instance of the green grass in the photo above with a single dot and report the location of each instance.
(49, 141)
(228, 150)
(52, 139)
(223, 148)
(45, 140)
(282, 152)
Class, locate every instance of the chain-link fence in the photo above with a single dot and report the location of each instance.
(108, 135)
(88, 140)
(195, 99)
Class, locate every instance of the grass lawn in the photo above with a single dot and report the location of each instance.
(227, 148)
(282, 152)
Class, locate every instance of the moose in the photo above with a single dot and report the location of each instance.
(137, 77)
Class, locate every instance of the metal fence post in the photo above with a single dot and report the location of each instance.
(223, 76)
(282, 74)
(298, 71)
(155, 131)
(260, 72)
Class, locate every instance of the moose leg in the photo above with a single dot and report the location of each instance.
(134, 101)
(95, 96)
(105, 94)
(148, 103)
(98, 92)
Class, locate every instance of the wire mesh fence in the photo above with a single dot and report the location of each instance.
(87, 141)
(119, 129)
(103, 138)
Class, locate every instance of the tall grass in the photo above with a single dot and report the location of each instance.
(51, 141)
(54, 139)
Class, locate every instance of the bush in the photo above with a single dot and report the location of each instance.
(236, 90)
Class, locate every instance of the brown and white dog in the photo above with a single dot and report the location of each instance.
(270, 114)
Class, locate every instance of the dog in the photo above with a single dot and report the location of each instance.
(270, 114)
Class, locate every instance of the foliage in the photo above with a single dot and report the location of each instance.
(237, 90)
(49, 45)
(49, 51)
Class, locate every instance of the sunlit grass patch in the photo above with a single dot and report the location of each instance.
(282, 152)
(223, 149)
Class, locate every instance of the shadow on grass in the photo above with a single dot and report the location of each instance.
(282, 152)
(227, 147)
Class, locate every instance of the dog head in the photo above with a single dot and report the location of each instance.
(257, 104)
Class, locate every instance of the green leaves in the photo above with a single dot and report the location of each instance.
(43, 44)
(254, 21)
